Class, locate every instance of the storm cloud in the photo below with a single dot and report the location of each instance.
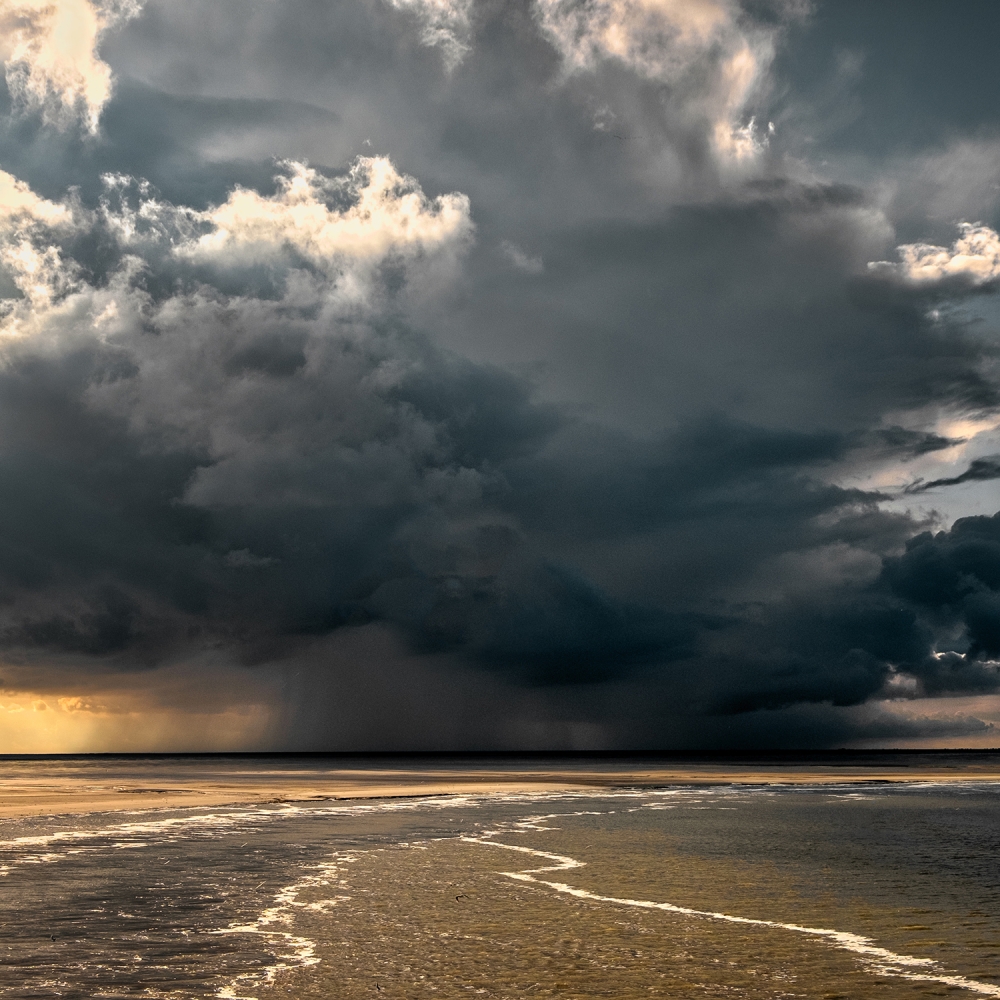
(980, 470)
(517, 373)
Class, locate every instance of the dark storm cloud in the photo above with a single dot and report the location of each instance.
(581, 454)
(904, 441)
(979, 470)
(756, 304)
(953, 578)
(821, 726)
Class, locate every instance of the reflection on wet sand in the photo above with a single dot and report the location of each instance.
(403, 927)
(755, 891)
(48, 786)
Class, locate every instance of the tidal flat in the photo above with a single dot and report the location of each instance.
(869, 875)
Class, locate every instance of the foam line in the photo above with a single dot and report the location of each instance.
(302, 950)
(193, 822)
(881, 960)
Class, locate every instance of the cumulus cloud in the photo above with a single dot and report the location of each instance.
(292, 460)
(324, 238)
(321, 425)
(20, 205)
(704, 45)
(972, 261)
(304, 407)
(50, 53)
(371, 212)
(953, 578)
(27, 254)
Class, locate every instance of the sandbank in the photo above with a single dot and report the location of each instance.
(49, 793)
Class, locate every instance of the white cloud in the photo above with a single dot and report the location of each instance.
(672, 41)
(445, 24)
(973, 259)
(326, 239)
(372, 212)
(41, 275)
(141, 222)
(49, 50)
(26, 253)
(19, 205)
(737, 143)
(290, 397)
(657, 38)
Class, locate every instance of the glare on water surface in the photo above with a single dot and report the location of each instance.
(749, 892)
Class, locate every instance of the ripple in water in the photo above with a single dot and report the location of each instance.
(677, 893)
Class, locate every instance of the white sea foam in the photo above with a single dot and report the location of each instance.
(300, 951)
(56, 845)
(880, 960)
(276, 922)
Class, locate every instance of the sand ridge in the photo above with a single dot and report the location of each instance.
(50, 794)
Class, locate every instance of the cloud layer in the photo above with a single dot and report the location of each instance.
(474, 375)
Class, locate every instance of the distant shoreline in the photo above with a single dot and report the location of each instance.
(40, 786)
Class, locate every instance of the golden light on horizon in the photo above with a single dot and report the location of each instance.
(160, 711)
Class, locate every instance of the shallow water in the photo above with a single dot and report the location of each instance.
(878, 891)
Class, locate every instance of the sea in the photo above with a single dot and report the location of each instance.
(872, 890)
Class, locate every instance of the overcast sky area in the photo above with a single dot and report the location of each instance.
(499, 374)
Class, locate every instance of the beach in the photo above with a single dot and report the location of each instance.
(245, 878)
(75, 785)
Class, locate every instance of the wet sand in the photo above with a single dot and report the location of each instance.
(98, 789)
(743, 889)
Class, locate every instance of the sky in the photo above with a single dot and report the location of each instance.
(481, 375)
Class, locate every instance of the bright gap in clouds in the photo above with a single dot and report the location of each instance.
(141, 713)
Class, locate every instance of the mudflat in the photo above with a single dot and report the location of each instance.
(861, 883)
(59, 786)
